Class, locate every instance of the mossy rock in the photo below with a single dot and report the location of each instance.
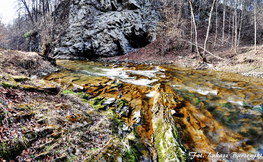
(68, 92)
(86, 96)
(166, 143)
(121, 103)
(98, 103)
(9, 84)
(122, 108)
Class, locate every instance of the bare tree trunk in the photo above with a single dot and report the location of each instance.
(229, 25)
(224, 20)
(241, 21)
(235, 46)
(216, 24)
(193, 19)
(192, 28)
(233, 28)
(255, 22)
(207, 33)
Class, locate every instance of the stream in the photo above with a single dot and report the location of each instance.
(208, 115)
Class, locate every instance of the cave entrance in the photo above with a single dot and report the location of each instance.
(138, 41)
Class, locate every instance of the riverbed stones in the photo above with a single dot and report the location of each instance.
(107, 28)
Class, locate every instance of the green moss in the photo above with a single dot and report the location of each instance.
(197, 100)
(13, 147)
(68, 92)
(227, 105)
(121, 103)
(98, 103)
(9, 84)
(27, 34)
(85, 96)
(135, 134)
(166, 143)
(131, 155)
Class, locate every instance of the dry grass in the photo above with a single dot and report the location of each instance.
(27, 63)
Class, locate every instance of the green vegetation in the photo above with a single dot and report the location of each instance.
(166, 144)
(27, 34)
(98, 103)
(226, 105)
(10, 84)
(68, 92)
(13, 147)
(260, 109)
(121, 103)
(116, 122)
(131, 155)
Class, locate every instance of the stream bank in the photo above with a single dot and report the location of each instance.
(93, 111)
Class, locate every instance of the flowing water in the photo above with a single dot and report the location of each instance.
(218, 115)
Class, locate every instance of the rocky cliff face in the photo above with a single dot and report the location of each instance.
(107, 28)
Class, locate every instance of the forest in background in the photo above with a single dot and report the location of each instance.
(206, 24)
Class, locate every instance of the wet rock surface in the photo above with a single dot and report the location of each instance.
(107, 28)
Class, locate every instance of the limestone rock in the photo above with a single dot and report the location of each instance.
(107, 28)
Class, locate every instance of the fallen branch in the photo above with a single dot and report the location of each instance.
(205, 50)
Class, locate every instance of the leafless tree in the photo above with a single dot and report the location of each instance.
(208, 28)
(255, 24)
(195, 28)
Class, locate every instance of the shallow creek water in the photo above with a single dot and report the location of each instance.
(219, 115)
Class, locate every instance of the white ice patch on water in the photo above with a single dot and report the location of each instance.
(137, 117)
(142, 82)
(159, 69)
(151, 94)
(123, 75)
(205, 91)
(233, 101)
(147, 73)
(116, 72)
